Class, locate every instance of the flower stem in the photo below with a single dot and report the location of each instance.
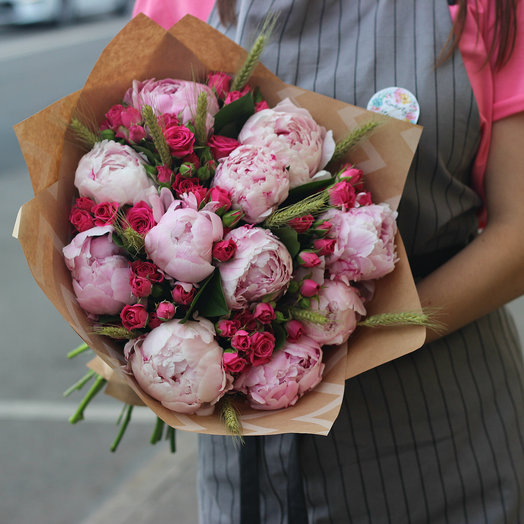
(171, 435)
(157, 431)
(95, 388)
(80, 383)
(128, 410)
(80, 349)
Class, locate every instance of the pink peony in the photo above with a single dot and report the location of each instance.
(291, 372)
(177, 97)
(100, 272)
(291, 131)
(256, 179)
(181, 243)
(180, 365)
(342, 305)
(112, 172)
(365, 248)
(260, 268)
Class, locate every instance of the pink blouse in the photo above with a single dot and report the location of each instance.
(498, 93)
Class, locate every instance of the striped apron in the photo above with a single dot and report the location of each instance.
(436, 436)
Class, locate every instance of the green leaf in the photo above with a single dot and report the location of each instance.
(300, 192)
(213, 304)
(230, 119)
(152, 158)
(280, 335)
(289, 237)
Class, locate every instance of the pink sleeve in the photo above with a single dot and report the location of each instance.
(169, 12)
(498, 93)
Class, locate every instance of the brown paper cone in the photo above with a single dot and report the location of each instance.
(144, 50)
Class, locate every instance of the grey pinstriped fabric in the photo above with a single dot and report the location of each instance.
(436, 436)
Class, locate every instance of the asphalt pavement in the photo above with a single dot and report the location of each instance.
(53, 472)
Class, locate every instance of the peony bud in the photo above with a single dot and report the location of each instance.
(232, 218)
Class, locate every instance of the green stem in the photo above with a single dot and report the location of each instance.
(95, 388)
(128, 410)
(80, 349)
(157, 431)
(80, 383)
(171, 435)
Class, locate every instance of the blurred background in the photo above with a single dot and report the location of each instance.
(51, 471)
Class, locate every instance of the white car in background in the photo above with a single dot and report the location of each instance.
(20, 12)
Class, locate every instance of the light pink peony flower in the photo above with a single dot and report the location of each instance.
(112, 172)
(181, 243)
(291, 131)
(292, 371)
(177, 97)
(256, 179)
(261, 267)
(100, 272)
(342, 305)
(365, 248)
(180, 365)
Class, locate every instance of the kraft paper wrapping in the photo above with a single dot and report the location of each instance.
(191, 48)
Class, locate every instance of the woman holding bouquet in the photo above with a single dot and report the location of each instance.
(438, 435)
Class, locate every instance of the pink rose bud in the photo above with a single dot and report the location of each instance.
(233, 362)
(183, 293)
(309, 288)
(301, 224)
(260, 106)
(140, 218)
(309, 259)
(220, 82)
(105, 213)
(134, 317)
(325, 246)
(246, 320)
(153, 321)
(84, 203)
(136, 134)
(240, 340)
(232, 96)
(81, 219)
(140, 286)
(221, 199)
(322, 227)
(352, 174)
(364, 198)
(131, 116)
(227, 328)
(224, 250)
(294, 330)
(165, 310)
(232, 218)
(187, 169)
(262, 345)
(264, 313)
(221, 146)
(164, 174)
(342, 194)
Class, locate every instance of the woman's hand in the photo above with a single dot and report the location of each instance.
(490, 271)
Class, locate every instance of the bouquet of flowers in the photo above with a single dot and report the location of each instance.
(214, 257)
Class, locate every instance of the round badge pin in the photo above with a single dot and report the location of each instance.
(396, 102)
